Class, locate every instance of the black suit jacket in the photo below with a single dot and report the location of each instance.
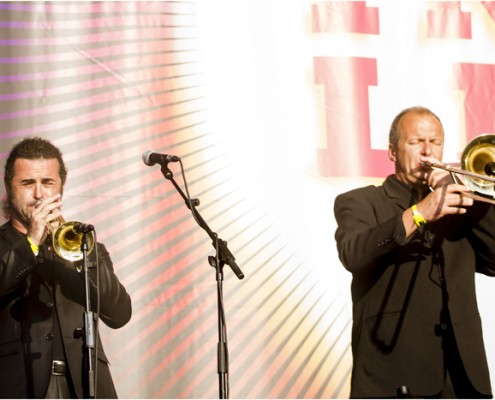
(407, 292)
(33, 291)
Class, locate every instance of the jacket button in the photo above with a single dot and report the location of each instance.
(49, 337)
(49, 304)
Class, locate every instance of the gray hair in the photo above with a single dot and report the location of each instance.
(393, 137)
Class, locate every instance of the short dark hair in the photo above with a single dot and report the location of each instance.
(31, 149)
(393, 137)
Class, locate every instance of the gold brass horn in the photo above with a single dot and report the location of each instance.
(67, 241)
(476, 157)
(479, 153)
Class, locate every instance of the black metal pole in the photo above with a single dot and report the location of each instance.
(223, 256)
(89, 330)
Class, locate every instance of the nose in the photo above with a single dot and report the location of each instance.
(38, 191)
(427, 149)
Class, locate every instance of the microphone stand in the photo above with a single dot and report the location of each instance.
(89, 322)
(223, 256)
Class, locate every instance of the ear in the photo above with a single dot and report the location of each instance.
(392, 155)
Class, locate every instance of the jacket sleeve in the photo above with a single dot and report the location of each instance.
(482, 237)
(17, 261)
(363, 239)
(113, 299)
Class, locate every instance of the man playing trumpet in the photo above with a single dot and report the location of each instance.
(42, 296)
(413, 246)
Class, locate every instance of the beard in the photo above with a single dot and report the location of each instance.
(7, 207)
(10, 211)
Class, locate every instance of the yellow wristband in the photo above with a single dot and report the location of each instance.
(34, 247)
(418, 218)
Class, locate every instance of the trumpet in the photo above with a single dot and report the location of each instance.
(477, 163)
(67, 238)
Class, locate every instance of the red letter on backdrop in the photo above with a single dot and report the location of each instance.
(345, 16)
(490, 8)
(348, 145)
(448, 21)
(346, 81)
(478, 83)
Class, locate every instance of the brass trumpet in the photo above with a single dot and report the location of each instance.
(478, 158)
(67, 239)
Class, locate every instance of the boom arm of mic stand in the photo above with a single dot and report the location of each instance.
(224, 254)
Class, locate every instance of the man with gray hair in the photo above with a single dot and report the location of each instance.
(413, 246)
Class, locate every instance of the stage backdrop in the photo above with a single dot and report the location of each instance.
(274, 107)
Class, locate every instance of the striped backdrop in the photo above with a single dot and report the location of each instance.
(274, 107)
(107, 81)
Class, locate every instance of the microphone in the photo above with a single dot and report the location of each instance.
(79, 227)
(490, 168)
(151, 158)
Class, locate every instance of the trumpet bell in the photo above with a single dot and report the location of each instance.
(67, 242)
(475, 157)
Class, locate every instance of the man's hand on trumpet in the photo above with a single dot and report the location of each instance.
(445, 200)
(44, 217)
(444, 196)
(433, 177)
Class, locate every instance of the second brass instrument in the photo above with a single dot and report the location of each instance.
(476, 157)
